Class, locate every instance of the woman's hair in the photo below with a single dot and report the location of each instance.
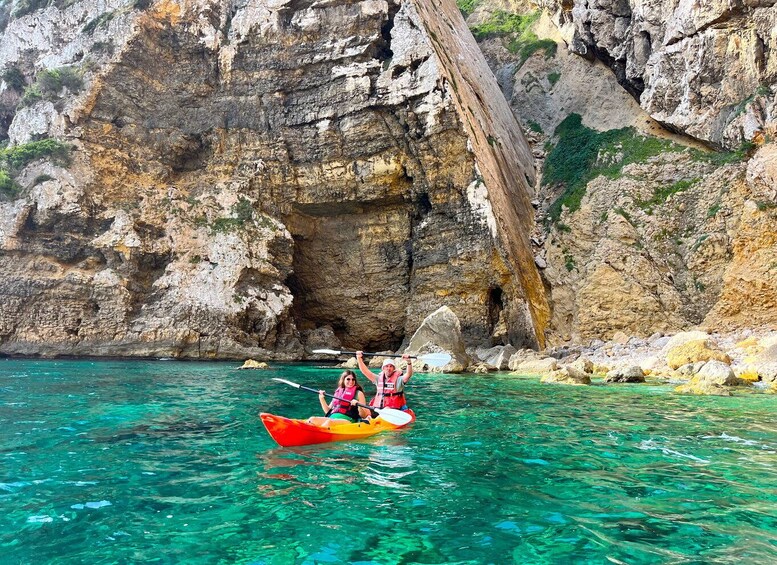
(349, 373)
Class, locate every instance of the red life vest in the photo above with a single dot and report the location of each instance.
(387, 395)
(342, 404)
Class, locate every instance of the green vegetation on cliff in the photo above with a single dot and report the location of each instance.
(517, 27)
(582, 154)
(13, 159)
(20, 155)
(50, 83)
(466, 7)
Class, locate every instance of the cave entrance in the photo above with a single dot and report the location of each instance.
(351, 272)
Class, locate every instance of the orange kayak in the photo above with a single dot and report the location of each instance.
(288, 432)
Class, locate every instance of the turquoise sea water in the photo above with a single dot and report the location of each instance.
(167, 462)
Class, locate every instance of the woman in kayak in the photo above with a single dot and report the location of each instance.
(390, 382)
(348, 394)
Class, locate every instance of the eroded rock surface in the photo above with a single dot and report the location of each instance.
(705, 68)
(246, 173)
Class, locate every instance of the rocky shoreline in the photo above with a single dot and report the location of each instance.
(696, 361)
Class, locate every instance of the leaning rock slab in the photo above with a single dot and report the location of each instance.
(441, 332)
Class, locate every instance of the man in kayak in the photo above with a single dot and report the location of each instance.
(390, 382)
(343, 407)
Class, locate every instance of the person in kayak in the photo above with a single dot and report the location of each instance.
(390, 382)
(349, 392)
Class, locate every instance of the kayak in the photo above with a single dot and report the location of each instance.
(288, 432)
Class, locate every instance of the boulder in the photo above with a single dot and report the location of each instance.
(566, 377)
(693, 351)
(253, 364)
(621, 338)
(654, 338)
(683, 338)
(632, 374)
(575, 373)
(496, 358)
(349, 364)
(479, 369)
(536, 366)
(696, 386)
(653, 365)
(583, 364)
(441, 332)
(520, 356)
(747, 373)
(690, 369)
(717, 373)
(765, 364)
(767, 372)
(376, 362)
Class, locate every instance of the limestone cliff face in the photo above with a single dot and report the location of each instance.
(246, 173)
(704, 68)
(679, 238)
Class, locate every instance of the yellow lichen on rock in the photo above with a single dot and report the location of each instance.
(694, 351)
(748, 374)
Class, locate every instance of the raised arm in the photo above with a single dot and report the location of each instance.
(363, 368)
(409, 372)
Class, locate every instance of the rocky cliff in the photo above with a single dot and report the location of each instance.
(641, 228)
(224, 179)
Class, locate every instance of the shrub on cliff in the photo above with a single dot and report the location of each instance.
(466, 7)
(19, 156)
(13, 159)
(8, 187)
(522, 40)
(581, 154)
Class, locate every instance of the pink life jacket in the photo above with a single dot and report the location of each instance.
(342, 404)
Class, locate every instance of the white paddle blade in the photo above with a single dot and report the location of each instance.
(435, 359)
(295, 385)
(327, 351)
(393, 416)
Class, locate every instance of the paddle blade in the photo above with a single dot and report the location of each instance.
(295, 385)
(327, 351)
(393, 416)
(435, 359)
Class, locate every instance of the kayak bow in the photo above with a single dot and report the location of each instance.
(288, 432)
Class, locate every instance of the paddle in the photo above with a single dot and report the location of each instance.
(391, 415)
(431, 359)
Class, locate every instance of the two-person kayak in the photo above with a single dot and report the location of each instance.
(288, 432)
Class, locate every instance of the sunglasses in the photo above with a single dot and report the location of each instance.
(350, 379)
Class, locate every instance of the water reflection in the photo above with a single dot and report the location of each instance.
(390, 463)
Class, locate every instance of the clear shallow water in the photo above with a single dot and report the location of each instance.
(167, 462)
